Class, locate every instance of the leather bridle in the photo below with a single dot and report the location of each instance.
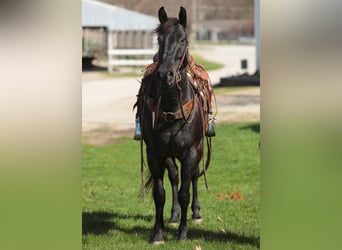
(178, 75)
(193, 101)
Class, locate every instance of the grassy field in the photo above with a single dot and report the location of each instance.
(208, 65)
(114, 216)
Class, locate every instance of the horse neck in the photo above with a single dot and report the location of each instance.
(170, 96)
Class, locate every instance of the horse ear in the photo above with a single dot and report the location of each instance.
(182, 16)
(162, 15)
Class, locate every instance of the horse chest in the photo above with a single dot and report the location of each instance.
(173, 142)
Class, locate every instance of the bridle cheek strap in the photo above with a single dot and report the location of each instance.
(178, 75)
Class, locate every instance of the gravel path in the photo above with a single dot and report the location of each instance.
(230, 56)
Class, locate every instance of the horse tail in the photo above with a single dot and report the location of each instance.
(142, 163)
(148, 186)
(149, 183)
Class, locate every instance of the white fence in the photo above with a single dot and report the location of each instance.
(129, 57)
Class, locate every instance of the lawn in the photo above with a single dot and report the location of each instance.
(208, 65)
(114, 216)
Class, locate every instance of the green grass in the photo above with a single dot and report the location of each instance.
(114, 216)
(208, 65)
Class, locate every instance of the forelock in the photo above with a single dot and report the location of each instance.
(168, 26)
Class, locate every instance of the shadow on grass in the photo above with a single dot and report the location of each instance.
(99, 223)
(254, 127)
(195, 233)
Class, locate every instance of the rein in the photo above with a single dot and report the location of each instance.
(178, 75)
(194, 98)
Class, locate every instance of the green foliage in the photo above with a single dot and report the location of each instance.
(114, 216)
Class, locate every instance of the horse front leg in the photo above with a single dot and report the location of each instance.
(174, 180)
(157, 174)
(159, 201)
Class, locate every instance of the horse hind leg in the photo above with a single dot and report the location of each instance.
(195, 206)
(184, 199)
(174, 180)
(159, 201)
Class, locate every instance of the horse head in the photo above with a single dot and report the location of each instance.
(173, 47)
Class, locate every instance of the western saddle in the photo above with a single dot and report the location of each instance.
(200, 81)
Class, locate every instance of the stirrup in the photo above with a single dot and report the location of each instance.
(137, 133)
(211, 127)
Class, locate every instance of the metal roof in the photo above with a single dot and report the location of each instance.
(98, 14)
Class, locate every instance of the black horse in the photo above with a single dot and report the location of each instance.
(173, 125)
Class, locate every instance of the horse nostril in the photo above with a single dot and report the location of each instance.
(166, 76)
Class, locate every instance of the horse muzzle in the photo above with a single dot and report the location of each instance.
(167, 76)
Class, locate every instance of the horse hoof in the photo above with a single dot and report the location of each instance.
(173, 221)
(158, 242)
(182, 239)
(158, 239)
(197, 221)
(182, 236)
(173, 224)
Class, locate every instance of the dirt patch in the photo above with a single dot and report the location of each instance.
(236, 196)
(238, 106)
(105, 135)
(233, 196)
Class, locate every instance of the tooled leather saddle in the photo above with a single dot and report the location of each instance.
(197, 76)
